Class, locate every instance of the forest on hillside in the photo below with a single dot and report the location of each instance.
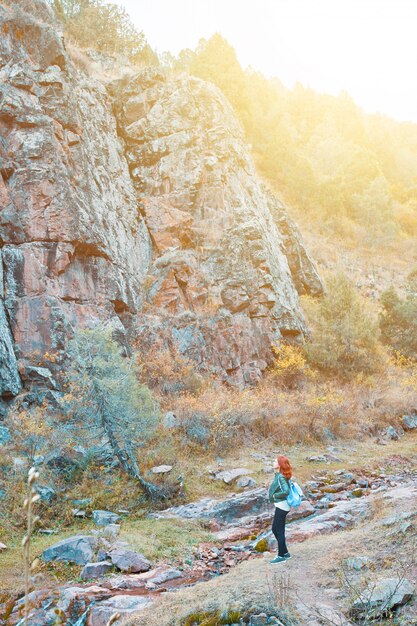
(350, 173)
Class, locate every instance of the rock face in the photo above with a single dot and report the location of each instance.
(9, 376)
(220, 272)
(302, 267)
(156, 202)
(74, 246)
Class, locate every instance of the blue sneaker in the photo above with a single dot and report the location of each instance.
(279, 559)
(287, 556)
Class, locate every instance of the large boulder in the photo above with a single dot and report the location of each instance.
(236, 506)
(78, 549)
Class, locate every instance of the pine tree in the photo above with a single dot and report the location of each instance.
(106, 399)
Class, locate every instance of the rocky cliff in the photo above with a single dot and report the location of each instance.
(135, 202)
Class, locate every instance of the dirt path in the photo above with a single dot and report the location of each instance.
(308, 581)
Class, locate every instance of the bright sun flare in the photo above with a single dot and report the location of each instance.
(366, 47)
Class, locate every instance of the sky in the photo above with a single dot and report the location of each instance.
(365, 47)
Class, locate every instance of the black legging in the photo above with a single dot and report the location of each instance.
(278, 528)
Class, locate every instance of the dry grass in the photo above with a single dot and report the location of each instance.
(167, 540)
(372, 269)
(219, 418)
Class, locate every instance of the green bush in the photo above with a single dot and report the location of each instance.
(398, 318)
(345, 334)
(328, 159)
(106, 400)
(105, 27)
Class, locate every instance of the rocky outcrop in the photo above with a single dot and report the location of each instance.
(9, 376)
(235, 506)
(220, 272)
(303, 269)
(155, 203)
(74, 246)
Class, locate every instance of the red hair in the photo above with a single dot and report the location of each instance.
(284, 466)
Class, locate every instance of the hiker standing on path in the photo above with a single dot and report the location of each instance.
(278, 492)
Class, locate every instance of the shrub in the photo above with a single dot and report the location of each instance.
(290, 365)
(167, 371)
(31, 430)
(105, 27)
(345, 334)
(398, 318)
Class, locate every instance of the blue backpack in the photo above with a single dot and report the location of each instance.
(296, 494)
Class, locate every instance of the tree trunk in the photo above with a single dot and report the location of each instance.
(125, 455)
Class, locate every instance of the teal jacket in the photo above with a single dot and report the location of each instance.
(279, 489)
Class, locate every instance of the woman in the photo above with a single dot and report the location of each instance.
(278, 493)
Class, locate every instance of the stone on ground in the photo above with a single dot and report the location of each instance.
(161, 469)
(164, 576)
(245, 481)
(103, 518)
(409, 422)
(78, 549)
(129, 561)
(95, 570)
(127, 606)
(228, 476)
